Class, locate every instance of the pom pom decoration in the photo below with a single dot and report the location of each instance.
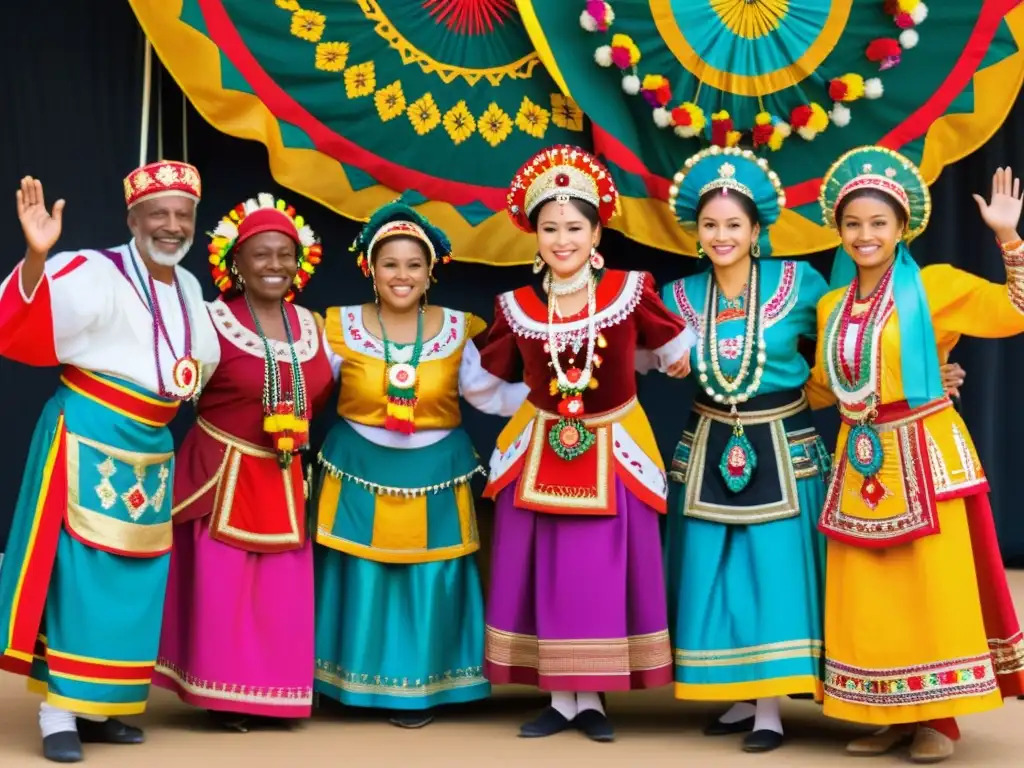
(631, 84)
(722, 132)
(656, 91)
(763, 129)
(909, 38)
(603, 56)
(625, 54)
(809, 120)
(873, 88)
(224, 237)
(689, 120)
(840, 115)
(884, 51)
(662, 117)
(849, 87)
(597, 16)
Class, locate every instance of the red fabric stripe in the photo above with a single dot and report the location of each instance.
(946, 726)
(26, 329)
(221, 30)
(162, 414)
(65, 666)
(70, 267)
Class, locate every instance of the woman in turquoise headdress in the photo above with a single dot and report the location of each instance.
(919, 624)
(399, 609)
(745, 564)
(744, 561)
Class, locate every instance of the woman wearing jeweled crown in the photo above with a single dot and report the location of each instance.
(919, 625)
(399, 608)
(237, 636)
(577, 594)
(745, 564)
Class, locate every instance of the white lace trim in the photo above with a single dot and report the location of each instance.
(444, 344)
(241, 337)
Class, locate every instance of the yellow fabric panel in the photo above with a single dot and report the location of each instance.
(327, 506)
(962, 303)
(906, 606)
(474, 326)
(362, 397)
(399, 523)
(638, 427)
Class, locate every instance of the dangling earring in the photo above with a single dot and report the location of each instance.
(700, 251)
(373, 282)
(423, 300)
(236, 277)
(538, 264)
(596, 259)
(755, 250)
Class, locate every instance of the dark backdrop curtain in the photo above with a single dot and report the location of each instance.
(70, 102)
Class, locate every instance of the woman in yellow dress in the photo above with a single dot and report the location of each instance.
(919, 625)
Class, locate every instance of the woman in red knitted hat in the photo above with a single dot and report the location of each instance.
(238, 619)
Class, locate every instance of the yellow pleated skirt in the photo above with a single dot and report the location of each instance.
(905, 641)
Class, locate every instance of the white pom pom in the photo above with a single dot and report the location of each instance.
(631, 84)
(920, 13)
(609, 14)
(603, 56)
(250, 206)
(265, 200)
(807, 134)
(662, 117)
(306, 236)
(685, 131)
(588, 22)
(785, 129)
(909, 38)
(840, 115)
(226, 229)
(873, 88)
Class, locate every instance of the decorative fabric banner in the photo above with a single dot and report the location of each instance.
(360, 100)
(799, 81)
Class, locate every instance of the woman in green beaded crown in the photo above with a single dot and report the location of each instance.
(399, 614)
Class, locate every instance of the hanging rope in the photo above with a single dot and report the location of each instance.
(147, 96)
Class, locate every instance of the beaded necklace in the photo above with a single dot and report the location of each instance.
(185, 373)
(856, 383)
(739, 459)
(570, 437)
(401, 379)
(286, 420)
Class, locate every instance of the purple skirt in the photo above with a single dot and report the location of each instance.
(238, 627)
(577, 603)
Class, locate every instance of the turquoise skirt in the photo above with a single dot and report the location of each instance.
(746, 600)
(399, 607)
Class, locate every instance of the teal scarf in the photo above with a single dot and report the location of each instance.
(919, 357)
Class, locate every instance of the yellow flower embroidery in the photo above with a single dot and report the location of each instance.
(390, 101)
(494, 125)
(308, 25)
(331, 57)
(360, 80)
(565, 113)
(424, 114)
(288, 5)
(532, 119)
(459, 123)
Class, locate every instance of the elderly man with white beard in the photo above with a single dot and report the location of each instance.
(85, 569)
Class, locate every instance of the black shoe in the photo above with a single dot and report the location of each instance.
(762, 741)
(229, 721)
(109, 731)
(718, 728)
(412, 719)
(63, 747)
(802, 696)
(595, 725)
(550, 722)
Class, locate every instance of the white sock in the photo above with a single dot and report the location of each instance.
(589, 700)
(741, 710)
(54, 720)
(564, 702)
(767, 717)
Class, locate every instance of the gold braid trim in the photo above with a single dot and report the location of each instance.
(1013, 258)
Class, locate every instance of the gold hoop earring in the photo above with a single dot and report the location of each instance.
(538, 264)
(236, 277)
(755, 250)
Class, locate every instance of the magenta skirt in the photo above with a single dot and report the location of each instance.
(238, 627)
(577, 603)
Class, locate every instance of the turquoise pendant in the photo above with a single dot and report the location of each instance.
(864, 450)
(739, 460)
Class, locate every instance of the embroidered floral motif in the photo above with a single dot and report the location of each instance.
(251, 694)
(495, 125)
(532, 119)
(784, 299)
(565, 114)
(331, 57)
(693, 319)
(730, 348)
(941, 681)
(459, 123)
(444, 344)
(390, 101)
(228, 326)
(360, 80)
(362, 682)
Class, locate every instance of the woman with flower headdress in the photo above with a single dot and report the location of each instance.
(919, 624)
(399, 606)
(745, 563)
(577, 595)
(238, 619)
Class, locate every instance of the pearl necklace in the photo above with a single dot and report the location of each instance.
(559, 287)
(563, 381)
(728, 388)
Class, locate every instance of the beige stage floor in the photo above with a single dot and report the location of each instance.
(653, 730)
